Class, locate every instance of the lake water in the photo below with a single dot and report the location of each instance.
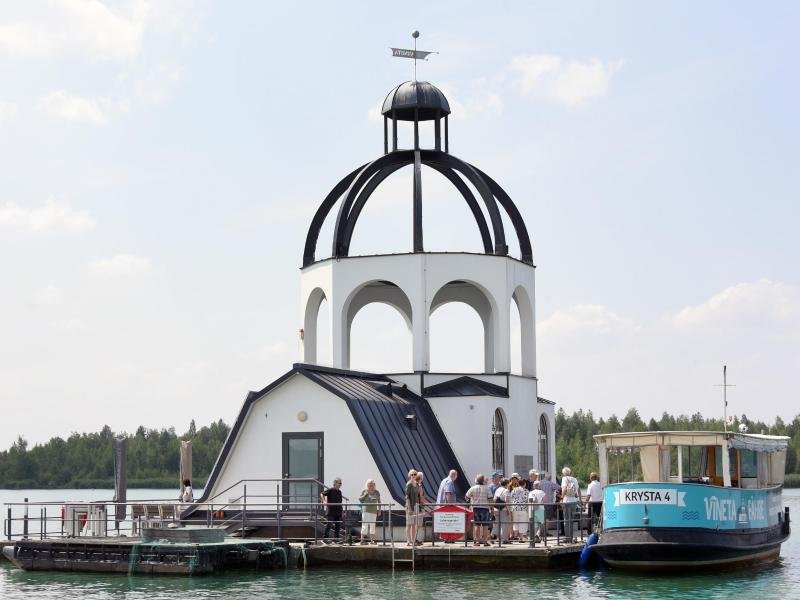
(780, 581)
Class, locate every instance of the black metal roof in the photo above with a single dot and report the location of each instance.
(465, 386)
(425, 97)
(399, 428)
(544, 400)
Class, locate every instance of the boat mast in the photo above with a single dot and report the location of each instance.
(725, 387)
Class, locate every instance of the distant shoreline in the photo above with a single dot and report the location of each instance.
(102, 484)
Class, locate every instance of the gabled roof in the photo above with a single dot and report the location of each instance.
(465, 386)
(541, 400)
(399, 428)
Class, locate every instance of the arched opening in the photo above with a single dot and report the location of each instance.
(498, 442)
(380, 330)
(515, 338)
(380, 340)
(316, 305)
(544, 444)
(452, 348)
(456, 339)
(527, 332)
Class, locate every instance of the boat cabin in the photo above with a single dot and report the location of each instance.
(724, 459)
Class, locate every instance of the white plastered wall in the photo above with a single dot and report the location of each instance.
(420, 277)
(257, 451)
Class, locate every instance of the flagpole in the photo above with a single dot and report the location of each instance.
(415, 35)
(725, 396)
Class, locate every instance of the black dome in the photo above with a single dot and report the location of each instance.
(409, 95)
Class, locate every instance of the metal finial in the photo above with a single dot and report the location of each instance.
(415, 34)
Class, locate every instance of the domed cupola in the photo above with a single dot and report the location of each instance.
(415, 100)
(413, 281)
(418, 102)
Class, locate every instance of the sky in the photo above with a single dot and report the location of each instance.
(161, 162)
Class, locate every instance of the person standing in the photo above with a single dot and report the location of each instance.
(412, 507)
(332, 503)
(188, 493)
(370, 499)
(551, 490)
(571, 502)
(533, 475)
(536, 500)
(519, 511)
(447, 489)
(480, 498)
(502, 520)
(594, 498)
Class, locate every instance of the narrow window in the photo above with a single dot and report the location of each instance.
(498, 442)
(544, 445)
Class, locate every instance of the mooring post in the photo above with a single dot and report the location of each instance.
(244, 510)
(278, 508)
(25, 521)
(41, 523)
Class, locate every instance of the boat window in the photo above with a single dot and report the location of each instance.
(749, 463)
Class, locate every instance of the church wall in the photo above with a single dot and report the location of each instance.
(257, 452)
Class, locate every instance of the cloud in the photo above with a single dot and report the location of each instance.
(48, 296)
(121, 265)
(744, 305)
(52, 216)
(567, 82)
(86, 26)
(585, 319)
(73, 108)
(8, 112)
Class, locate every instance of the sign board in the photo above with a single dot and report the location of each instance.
(450, 522)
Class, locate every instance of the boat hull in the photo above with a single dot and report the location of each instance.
(687, 549)
(656, 526)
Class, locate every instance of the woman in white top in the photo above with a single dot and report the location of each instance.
(571, 499)
(537, 499)
(594, 498)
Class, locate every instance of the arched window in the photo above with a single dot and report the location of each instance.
(498, 442)
(544, 445)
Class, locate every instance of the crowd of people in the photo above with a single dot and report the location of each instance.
(504, 509)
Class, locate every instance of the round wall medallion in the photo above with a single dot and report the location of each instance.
(302, 416)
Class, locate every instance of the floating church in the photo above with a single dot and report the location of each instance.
(318, 422)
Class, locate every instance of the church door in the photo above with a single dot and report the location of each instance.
(302, 469)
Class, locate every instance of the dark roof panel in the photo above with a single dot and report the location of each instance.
(465, 386)
(426, 98)
(386, 420)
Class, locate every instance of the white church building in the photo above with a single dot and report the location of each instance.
(319, 422)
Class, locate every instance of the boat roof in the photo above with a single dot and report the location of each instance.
(749, 441)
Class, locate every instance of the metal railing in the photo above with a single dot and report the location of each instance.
(295, 518)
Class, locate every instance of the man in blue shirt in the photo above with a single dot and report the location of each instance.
(447, 489)
(496, 477)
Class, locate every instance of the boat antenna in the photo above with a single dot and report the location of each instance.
(725, 385)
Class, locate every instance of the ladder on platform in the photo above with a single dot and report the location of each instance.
(395, 551)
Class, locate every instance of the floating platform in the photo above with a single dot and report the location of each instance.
(134, 556)
(443, 556)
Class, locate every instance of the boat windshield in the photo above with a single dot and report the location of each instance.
(722, 459)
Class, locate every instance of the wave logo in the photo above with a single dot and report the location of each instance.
(720, 510)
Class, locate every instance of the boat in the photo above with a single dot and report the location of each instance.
(685, 500)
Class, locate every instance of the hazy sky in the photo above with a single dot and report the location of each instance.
(161, 162)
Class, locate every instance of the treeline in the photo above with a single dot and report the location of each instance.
(575, 446)
(85, 460)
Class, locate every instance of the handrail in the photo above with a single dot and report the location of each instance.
(284, 479)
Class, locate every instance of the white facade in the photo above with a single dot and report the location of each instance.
(297, 406)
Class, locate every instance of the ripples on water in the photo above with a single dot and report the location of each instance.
(781, 581)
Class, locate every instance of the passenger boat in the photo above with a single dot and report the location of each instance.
(691, 499)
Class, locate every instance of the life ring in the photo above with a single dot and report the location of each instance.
(63, 513)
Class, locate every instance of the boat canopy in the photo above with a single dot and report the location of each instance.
(746, 441)
(727, 459)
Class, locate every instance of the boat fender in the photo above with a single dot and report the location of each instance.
(586, 553)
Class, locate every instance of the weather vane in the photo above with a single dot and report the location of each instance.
(415, 54)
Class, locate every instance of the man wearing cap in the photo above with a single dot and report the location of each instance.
(496, 477)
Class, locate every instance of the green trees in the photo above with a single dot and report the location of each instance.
(575, 446)
(86, 459)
